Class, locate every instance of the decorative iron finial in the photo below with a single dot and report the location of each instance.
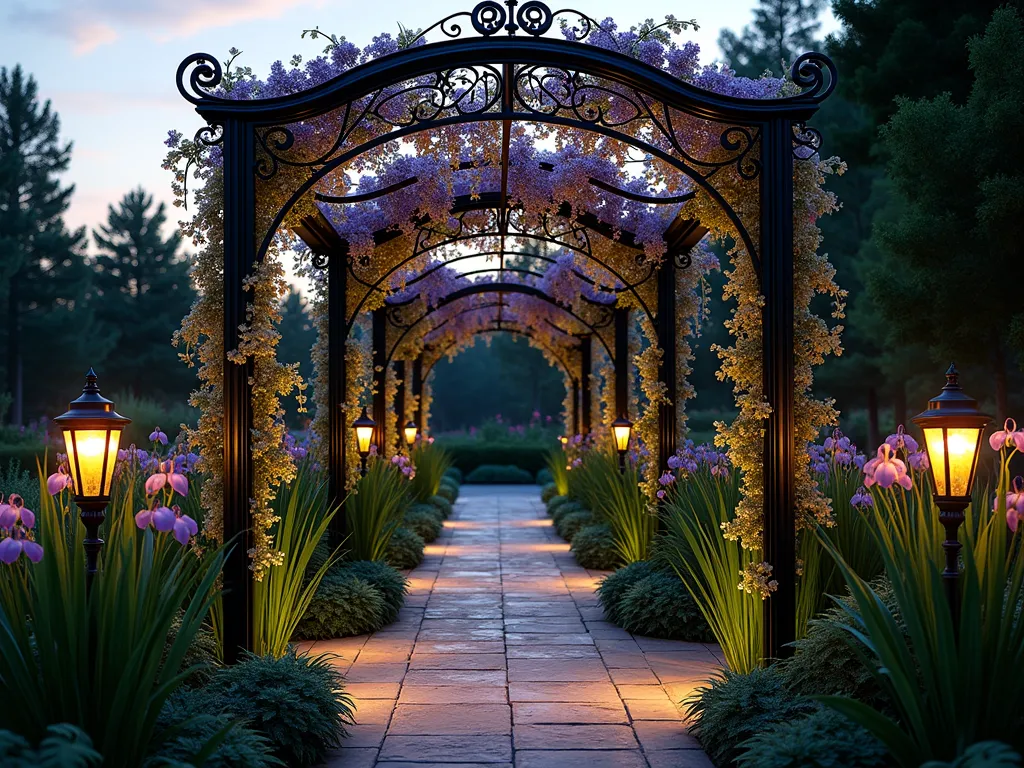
(952, 377)
(91, 387)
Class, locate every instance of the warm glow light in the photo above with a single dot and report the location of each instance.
(364, 435)
(621, 429)
(962, 443)
(410, 433)
(87, 449)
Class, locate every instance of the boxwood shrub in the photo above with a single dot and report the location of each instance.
(568, 525)
(297, 702)
(241, 747)
(548, 492)
(500, 474)
(822, 739)
(455, 474)
(344, 605)
(594, 547)
(544, 476)
(391, 584)
(405, 550)
(555, 502)
(442, 505)
(734, 707)
(468, 454)
(659, 605)
(425, 519)
(64, 746)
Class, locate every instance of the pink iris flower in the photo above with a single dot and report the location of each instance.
(18, 542)
(14, 512)
(1008, 437)
(166, 475)
(59, 481)
(1015, 503)
(156, 436)
(885, 469)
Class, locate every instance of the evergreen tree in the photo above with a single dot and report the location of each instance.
(948, 262)
(42, 275)
(297, 338)
(142, 290)
(781, 31)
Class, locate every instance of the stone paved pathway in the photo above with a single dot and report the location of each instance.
(502, 658)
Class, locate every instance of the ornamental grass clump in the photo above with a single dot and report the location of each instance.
(281, 598)
(973, 670)
(556, 465)
(615, 498)
(431, 462)
(297, 701)
(374, 511)
(100, 662)
(709, 564)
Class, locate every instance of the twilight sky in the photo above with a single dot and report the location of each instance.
(108, 65)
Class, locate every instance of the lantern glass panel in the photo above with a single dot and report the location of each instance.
(621, 434)
(364, 435)
(410, 435)
(93, 453)
(962, 443)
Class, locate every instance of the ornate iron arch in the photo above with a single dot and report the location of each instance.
(532, 79)
(566, 368)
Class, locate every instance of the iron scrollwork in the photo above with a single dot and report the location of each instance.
(816, 73)
(197, 75)
(806, 141)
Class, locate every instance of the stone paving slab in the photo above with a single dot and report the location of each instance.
(502, 658)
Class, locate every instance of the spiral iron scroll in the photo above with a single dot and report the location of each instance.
(816, 73)
(197, 75)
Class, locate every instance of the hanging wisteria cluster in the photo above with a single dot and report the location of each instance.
(403, 245)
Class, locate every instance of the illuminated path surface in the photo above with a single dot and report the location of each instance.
(502, 657)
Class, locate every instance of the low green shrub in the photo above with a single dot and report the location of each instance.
(555, 502)
(822, 739)
(241, 747)
(425, 519)
(64, 746)
(544, 477)
(298, 702)
(734, 707)
(448, 489)
(984, 754)
(405, 550)
(564, 510)
(468, 454)
(548, 492)
(569, 525)
(390, 582)
(826, 664)
(659, 605)
(499, 474)
(442, 505)
(344, 605)
(455, 474)
(16, 478)
(201, 657)
(616, 584)
(594, 547)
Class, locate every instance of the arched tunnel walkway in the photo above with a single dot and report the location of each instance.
(502, 657)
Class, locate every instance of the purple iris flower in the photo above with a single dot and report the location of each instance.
(1015, 503)
(160, 517)
(58, 481)
(18, 542)
(156, 436)
(14, 512)
(918, 461)
(1008, 437)
(184, 527)
(862, 498)
(901, 441)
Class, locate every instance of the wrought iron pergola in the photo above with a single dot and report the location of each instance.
(510, 72)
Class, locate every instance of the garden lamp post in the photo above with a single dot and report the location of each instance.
(952, 427)
(410, 433)
(622, 428)
(92, 432)
(364, 427)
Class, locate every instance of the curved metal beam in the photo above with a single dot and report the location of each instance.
(515, 332)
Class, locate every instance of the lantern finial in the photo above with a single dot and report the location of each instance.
(952, 377)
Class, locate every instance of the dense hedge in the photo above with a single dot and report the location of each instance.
(468, 454)
(492, 473)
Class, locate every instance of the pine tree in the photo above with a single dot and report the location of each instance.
(781, 31)
(297, 338)
(142, 290)
(41, 267)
